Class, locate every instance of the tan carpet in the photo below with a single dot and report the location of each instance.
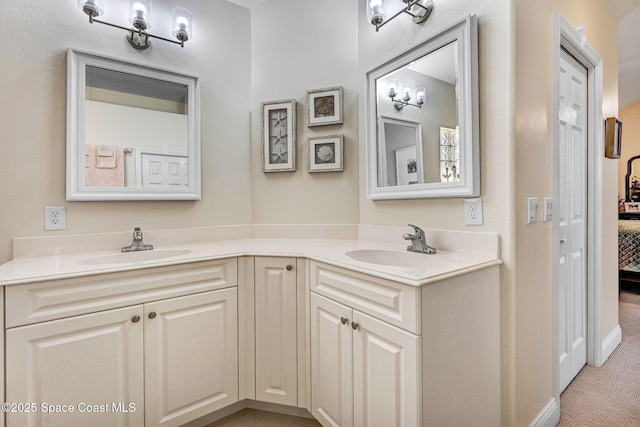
(609, 395)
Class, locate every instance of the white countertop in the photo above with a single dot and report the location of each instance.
(436, 267)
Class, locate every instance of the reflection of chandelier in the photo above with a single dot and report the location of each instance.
(406, 96)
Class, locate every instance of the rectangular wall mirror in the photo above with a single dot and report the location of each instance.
(422, 119)
(133, 131)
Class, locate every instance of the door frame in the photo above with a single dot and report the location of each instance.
(568, 38)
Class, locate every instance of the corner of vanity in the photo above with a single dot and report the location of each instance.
(286, 325)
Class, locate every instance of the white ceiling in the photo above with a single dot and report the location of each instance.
(247, 3)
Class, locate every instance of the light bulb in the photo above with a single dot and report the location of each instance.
(92, 7)
(376, 11)
(140, 14)
(392, 89)
(420, 95)
(181, 24)
(406, 93)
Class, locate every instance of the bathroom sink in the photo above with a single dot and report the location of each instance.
(127, 257)
(403, 259)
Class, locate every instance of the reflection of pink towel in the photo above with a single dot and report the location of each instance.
(104, 170)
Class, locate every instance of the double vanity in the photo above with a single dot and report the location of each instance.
(343, 323)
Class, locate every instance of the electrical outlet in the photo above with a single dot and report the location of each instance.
(473, 212)
(532, 210)
(55, 218)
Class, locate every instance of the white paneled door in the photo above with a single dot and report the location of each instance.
(571, 268)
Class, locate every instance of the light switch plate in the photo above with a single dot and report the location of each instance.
(532, 210)
(548, 209)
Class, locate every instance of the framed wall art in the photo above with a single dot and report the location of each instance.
(325, 153)
(279, 136)
(324, 106)
(613, 137)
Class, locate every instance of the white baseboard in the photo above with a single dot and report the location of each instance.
(550, 415)
(611, 342)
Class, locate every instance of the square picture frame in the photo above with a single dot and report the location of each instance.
(324, 106)
(279, 136)
(632, 207)
(325, 153)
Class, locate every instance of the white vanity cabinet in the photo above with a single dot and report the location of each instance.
(152, 346)
(190, 356)
(276, 321)
(75, 363)
(364, 372)
(386, 353)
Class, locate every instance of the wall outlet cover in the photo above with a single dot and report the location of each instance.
(473, 211)
(55, 218)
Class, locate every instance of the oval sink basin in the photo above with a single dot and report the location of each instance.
(128, 257)
(393, 258)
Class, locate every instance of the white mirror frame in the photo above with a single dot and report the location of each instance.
(465, 33)
(77, 61)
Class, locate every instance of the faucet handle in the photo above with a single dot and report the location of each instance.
(419, 232)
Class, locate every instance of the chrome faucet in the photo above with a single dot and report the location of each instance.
(137, 244)
(418, 241)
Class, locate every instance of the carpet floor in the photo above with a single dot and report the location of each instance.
(609, 395)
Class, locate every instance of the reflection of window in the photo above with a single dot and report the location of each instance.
(449, 154)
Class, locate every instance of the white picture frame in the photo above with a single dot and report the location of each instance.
(279, 136)
(325, 153)
(632, 207)
(324, 106)
(407, 165)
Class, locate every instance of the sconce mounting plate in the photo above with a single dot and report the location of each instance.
(421, 10)
(139, 40)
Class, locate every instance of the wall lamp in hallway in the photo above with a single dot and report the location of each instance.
(419, 10)
(140, 18)
(405, 97)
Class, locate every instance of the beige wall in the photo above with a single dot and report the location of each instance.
(534, 163)
(299, 46)
(630, 117)
(35, 38)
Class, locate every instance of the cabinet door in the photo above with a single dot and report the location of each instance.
(276, 331)
(387, 376)
(331, 358)
(191, 356)
(90, 363)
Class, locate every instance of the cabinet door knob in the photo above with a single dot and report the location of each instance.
(354, 325)
(152, 315)
(563, 241)
(135, 319)
(289, 267)
(344, 320)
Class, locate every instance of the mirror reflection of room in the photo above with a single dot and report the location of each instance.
(422, 93)
(136, 131)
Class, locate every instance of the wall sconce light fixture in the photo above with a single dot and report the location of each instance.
(140, 18)
(399, 104)
(419, 10)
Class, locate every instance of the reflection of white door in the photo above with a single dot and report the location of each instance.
(161, 170)
(571, 268)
